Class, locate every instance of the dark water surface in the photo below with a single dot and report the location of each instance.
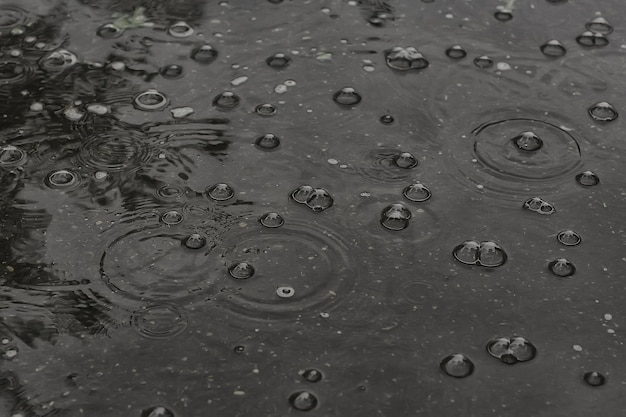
(325, 208)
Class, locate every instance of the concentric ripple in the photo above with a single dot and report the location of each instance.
(14, 71)
(382, 165)
(14, 20)
(115, 151)
(159, 321)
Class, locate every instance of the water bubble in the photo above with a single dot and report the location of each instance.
(405, 160)
(457, 365)
(169, 192)
(347, 96)
(285, 292)
(528, 141)
(272, 220)
(172, 217)
(220, 192)
(239, 349)
(109, 31)
(491, 254)
(588, 178)
(456, 52)
(62, 178)
(538, 205)
(387, 119)
(562, 267)
(194, 241)
(58, 60)
(395, 217)
(180, 30)
(569, 238)
(302, 193)
(241, 270)
(511, 350)
(150, 100)
(483, 62)
(593, 378)
(226, 101)
(417, 192)
(204, 54)
(159, 321)
(503, 14)
(467, 252)
(11, 156)
(599, 25)
(278, 60)
(404, 59)
(171, 71)
(589, 38)
(266, 109)
(267, 142)
(553, 48)
(603, 112)
(157, 411)
(312, 375)
(319, 200)
(303, 401)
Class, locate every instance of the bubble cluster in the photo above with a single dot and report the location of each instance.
(347, 96)
(317, 199)
(538, 205)
(220, 192)
(157, 411)
(512, 350)
(568, 238)
(404, 59)
(487, 253)
(527, 141)
(603, 112)
(594, 379)
(562, 267)
(457, 365)
(62, 179)
(226, 101)
(456, 52)
(589, 38)
(303, 400)
(553, 49)
(150, 100)
(278, 60)
(395, 217)
(416, 192)
(204, 54)
(266, 110)
(241, 270)
(588, 179)
(405, 160)
(272, 220)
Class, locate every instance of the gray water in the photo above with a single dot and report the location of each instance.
(445, 232)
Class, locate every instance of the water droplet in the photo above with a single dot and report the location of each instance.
(159, 321)
(538, 205)
(593, 378)
(302, 193)
(157, 411)
(467, 252)
(599, 25)
(405, 160)
(171, 71)
(483, 62)
(457, 365)
(417, 192)
(220, 192)
(109, 31)
(194, 241)
(589, 38)
(588, 178)
(285, 292)
(387, 119)
(62, 178)
(404, 59)
(204, 54)
(553, 48)
(511, 350)
(569, 238)
(491, 254)
(11, 156)
(58, 60)
(395, 217)
(180, 30)
(347, 96)
(312, 375)
(267, 142)
(503, 14)
(603, 112)
(266, 110)
(226, 101)
(241, 270)
(456, 52)
(562, 267)
(303, 401)
(272, 220)
(150, 100)
(528, 141)
(319, 200)
(172, 217)
(278, 60)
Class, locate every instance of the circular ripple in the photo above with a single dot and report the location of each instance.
(159, 321)
(13, 20)
(115, 151)
(15, 71)
(380, 166)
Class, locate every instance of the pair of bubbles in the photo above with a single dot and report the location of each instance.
(244, 270)
(486, 253)
(562, 267)
(305, 400)
(317, 199)
(397, 216)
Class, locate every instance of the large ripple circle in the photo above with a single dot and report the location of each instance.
(115, 151)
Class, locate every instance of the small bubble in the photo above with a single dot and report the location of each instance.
(180, 30)
(278, 60)
(599, 25)
(319, 200)
(417, 192)
(272, 220)
(303, 401)
(568, 238)
(561, 267)
(150, 100)
(171, 71)
(267, 142)
(11, 156)
(456, 52)
(491, 254)
(157, 411)
(204, 54)
(503, 14)
(588, 179)
(239, 349)
(347, 96)
(405, 160)
(266, 110)
(302, 193)
(312, 375)
(58, 60)
(194, 241)
(528, 141)
(467, 252)
(226, 101)
(61, 179)
(109, 31)
(387, 119)
(241, 270)
(483, 62)
(457, 365)
(512, 350)
(404, 59)
(553, 48)
(220, 192)
(395, 217)
(593, 378)
(603, 112)
(172, 217)
(589, 38)
(285, 292)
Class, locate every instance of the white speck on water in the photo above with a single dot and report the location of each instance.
(608, 316)
(503, 66)
(36, 106)
(99, 109)
(324, 315)
(118, 66)
(239, 80)
(577, 348)
(290, 83)
(333, 161)
(610, 331)
(280, 89)
(181, 112)
(449, 16)
(73, 114)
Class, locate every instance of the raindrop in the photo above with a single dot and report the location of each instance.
(588, 178)
(417, 192)
(171, 71)
(553, 48)
(272, 220)
(159, 321)
(220, 192)
(312, 375)
(303, 401)
(180, 30)
(599, 25)
(109, 31)
(562, 267)
(278, 60)
(603, 112)
(285, 292)
(319, 200)
(593, 378)
(241, 270)
(302, 193)
(267, 142)
(589, 38)
(491, 254)
(387, 119)
(456, 52)
(172, 217)
(58, 60)
(405, 160)
(512, 350)
(467, 252)
(483, 62)
(204, 54)
(266, 110)
(194, 241)
(569, 238)
(528, 141)
(457, 365)
(404, 59)
(395, 217)
(157, 411)
(503, 14)
(61, 179)
(11, 156)
(150, 100)
(226, 101)
(347, 96)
